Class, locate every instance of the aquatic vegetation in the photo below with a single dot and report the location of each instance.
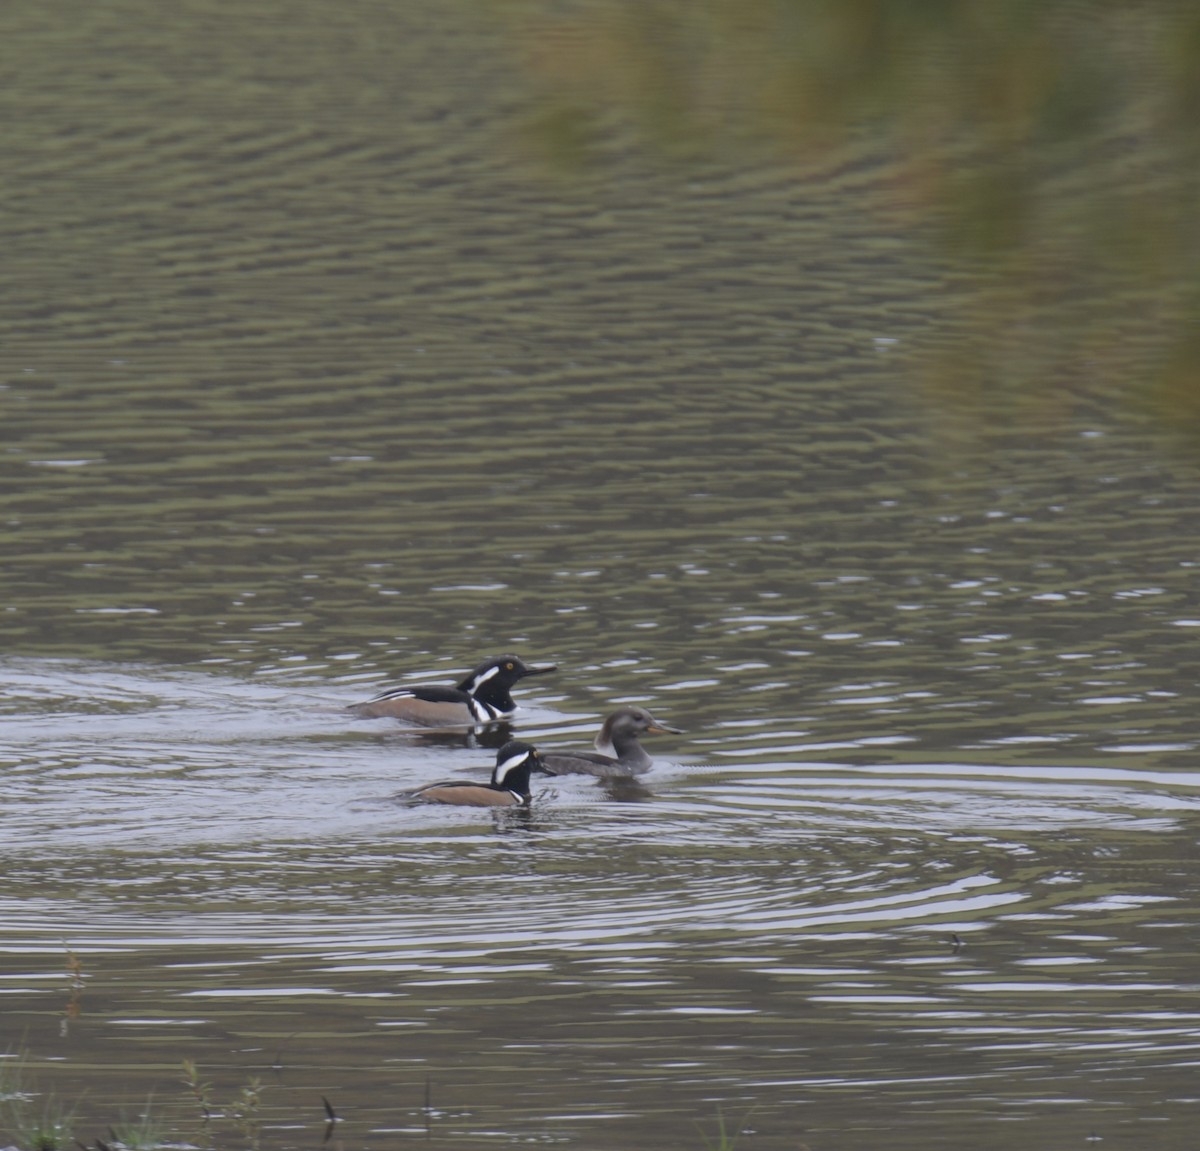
(242, 1111)
(144, 1133)
(726, 1137)
(49, 1127)
(201, 1092)
(75, 988)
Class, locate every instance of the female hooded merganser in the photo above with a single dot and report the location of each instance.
(480, 698)
(621, 732)
(515, 762)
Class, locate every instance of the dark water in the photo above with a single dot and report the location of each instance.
(318, 375)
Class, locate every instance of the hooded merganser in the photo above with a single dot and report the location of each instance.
(480, 698)
(509, 787)
(620, 733)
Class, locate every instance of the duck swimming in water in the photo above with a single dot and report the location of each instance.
(484, 696)
(622, 732)
(509, 786)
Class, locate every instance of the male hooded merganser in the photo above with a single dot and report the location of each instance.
(515, 762)
(480, 698)
(621, 732)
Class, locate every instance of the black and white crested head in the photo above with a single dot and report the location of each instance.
(518, 755)
(492, 681)
(479, 677)
(515, 762)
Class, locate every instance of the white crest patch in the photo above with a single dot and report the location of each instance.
(513, 761)
(481, 679)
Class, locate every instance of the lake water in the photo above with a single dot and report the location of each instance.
(342, 349)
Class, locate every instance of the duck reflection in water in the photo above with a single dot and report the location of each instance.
(494, 736)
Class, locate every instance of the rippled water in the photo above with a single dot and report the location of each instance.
(815, 948)
(313, 384)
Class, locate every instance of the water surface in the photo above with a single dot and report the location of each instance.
(318, 378)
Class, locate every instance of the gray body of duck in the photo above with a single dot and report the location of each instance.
(621, 733)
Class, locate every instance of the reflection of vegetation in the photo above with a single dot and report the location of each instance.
(1052, 147)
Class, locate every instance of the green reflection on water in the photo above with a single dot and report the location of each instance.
(1049, 148)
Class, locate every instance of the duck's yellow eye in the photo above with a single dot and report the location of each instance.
(510, 667)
